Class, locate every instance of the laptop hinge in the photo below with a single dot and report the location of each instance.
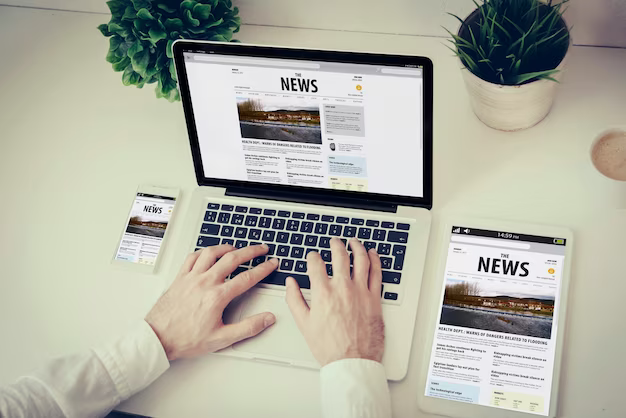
(299, 197)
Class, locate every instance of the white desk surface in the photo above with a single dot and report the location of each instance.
(75, 143)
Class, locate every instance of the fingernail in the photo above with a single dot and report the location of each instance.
(274, 261)
(264, 246)
(269, 320)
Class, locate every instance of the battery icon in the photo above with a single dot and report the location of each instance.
(559, 241)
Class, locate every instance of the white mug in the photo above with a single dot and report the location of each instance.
(608, 154)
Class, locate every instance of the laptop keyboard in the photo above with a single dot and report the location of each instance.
(290, 236)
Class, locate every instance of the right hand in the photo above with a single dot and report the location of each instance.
(345, 317)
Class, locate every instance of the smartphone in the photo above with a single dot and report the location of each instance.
(146, 228)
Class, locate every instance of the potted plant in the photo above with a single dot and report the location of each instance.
(142, 32)
(513, 53)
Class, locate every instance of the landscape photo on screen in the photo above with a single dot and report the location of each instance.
(142, 225)
(498, 306)
(276, 118)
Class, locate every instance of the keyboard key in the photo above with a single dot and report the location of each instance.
(365, 233)
(386, 262)
(286, 264)
(278, 224)
(227, 241)
(241, 244)
(241, 209)
(237, 219)
(227, 208)
(271, 248)
(342, 220)
(255, 211)
(349, 231)
(399, 250)
(369, 245)
(321, 228)
(387, 224)
(296, 239)
(241, 232)
(306, 227)
(404, 227)
(282, 251)
(284, 213)
(251, 220)
(258, 260)
(391, 296)
(324, 242)
(265, 222)
(372, 223)
(223, 217)
(293, 225)
(210, 216)
(335, 230)
(255, 243)
(254, 234)
(357, 221)
(227, 231)
(297, 215)
(398, 262)
(207, 241)
(297, 252)
(326, 255)
(379, 235)
(313, 217)
(282, 237)
(279, 277)
(310, 241)
(329, 269)
(213, 206)
(269, 212)
(328, 218)
(391, 277)
(268, 235)
(395, 236)
(210, 229)
(300, 266)
(384, 248)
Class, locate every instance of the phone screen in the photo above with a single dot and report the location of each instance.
(145, 229)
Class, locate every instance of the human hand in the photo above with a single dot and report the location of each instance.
(345, 319)
(188, 317)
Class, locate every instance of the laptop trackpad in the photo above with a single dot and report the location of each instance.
(283, 339)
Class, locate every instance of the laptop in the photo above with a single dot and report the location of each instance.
(292, 147)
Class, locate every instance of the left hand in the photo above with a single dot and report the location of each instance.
(188, 317)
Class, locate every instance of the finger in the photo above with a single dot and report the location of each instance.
(209, 256)
(297, 305)
(189, 262)
(229, 262)
(341, 261)
(247, 279)
(316, 269)
(361, 262)
(247, 328)
(376, 273)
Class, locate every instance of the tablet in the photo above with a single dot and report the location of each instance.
(496, 330)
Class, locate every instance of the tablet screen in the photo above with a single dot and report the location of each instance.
(495, 338)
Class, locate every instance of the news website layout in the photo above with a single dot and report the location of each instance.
(313, 124)
(495, 338)
(147, 222)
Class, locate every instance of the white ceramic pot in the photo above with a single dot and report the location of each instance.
(512, 108)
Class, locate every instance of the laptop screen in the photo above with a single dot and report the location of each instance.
(314, 124)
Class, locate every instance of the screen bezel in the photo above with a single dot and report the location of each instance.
(237, 49)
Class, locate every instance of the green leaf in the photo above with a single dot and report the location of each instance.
(156, 35)
(142, 4)
(121, 65)
(188, 5)
(114, 42)
(112, 57)
(140, 61)
(117, 7)
(218, 38)
(168, 49)
(201, 11)
(129, 14)
(134, 49)
(519, 79)
(190, 20)
(174, 24)
(104, 29)
(166, 8)
(115, 28)
(172, 67)
(144, 14)
(209, 24)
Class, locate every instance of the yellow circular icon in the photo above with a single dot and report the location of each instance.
(358, 87)
(551, 271)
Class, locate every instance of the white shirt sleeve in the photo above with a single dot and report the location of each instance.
(89, 384)
(354, 388)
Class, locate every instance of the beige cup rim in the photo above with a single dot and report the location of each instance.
(594, 143)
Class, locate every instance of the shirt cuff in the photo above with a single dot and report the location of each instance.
(134, 361)
(354, 388)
